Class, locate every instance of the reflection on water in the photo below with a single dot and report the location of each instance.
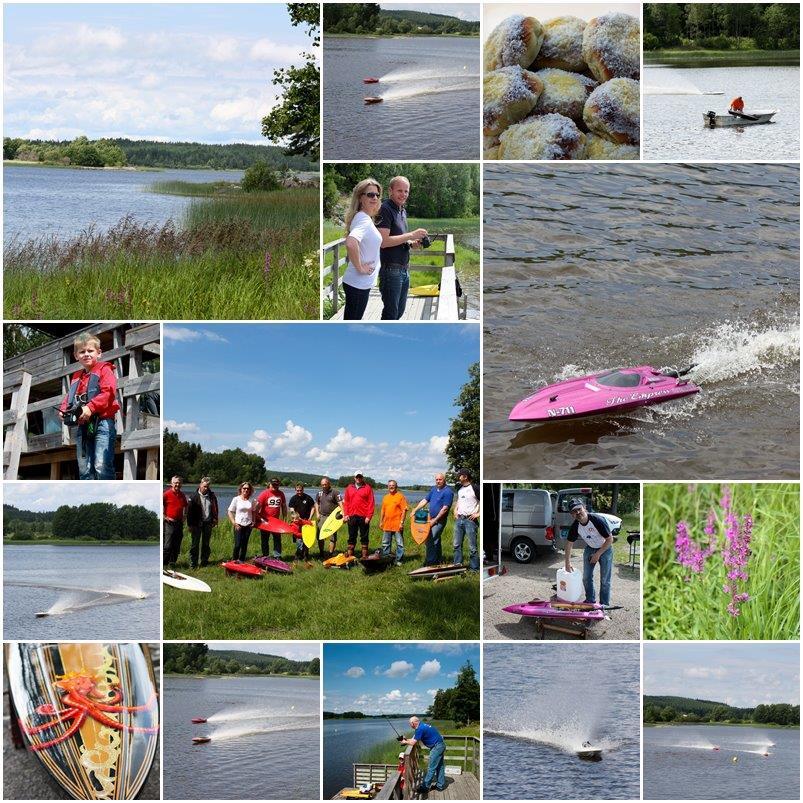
(431, 98)
(588, 269)
(673, 123)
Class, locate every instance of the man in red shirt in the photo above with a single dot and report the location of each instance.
(737, 105)
(91, 405)
(358, 510)
(174, 510)
(271, 504)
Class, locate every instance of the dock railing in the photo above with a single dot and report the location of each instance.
(335, 262)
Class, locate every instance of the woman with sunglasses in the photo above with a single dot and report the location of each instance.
(241, 515)
(363, 241)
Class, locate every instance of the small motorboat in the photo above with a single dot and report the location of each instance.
(370, 99)
(612, 391)
(198, 720)
(714, 120)
(377, 562)
(590, 753)
(370, 80)
(201, 739)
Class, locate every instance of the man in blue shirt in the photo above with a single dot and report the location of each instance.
(440, 500)
(430, 737)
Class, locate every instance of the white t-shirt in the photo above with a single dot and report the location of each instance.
(367, 234)
(243, 510)
(590, 534)
(467, 502)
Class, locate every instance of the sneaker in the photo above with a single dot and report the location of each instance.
(422, 790)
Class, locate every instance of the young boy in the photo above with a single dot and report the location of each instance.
(93, 397)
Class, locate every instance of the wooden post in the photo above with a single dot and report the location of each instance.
(447, 299)
(16, 440)
(132, 414)
(335, 277)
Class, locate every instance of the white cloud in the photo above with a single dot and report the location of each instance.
(292, 440)
(221, 50)
(355, 672)
(273, 52)
(437, 444)
(319, 455)
(398, 669)
(432, 692)
(261, 434)
(180, 426)
(185, 334)
(344, 441)
(391, 696)
(429, 669)
(442, 648)
(705, 672)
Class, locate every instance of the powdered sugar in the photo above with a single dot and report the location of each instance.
(509, 94)
(613, 111)
(563, 43)
(612, 46)
(516, 40)
(551, 136)
(564, 93)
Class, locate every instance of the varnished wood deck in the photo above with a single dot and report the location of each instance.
(462, 787)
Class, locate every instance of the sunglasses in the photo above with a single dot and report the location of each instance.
(372, 194)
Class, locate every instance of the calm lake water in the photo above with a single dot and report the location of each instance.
(251, 756)
(118, 568)
(594, 268)
(673, 123)
(680, 764)
(345, 742)
(58, 201)
(431, 91)
(541, 702)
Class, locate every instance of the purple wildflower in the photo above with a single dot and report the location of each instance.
(266, 269)
(687, 551)
(735, 555)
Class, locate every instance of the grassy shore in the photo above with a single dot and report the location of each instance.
(761, 725)
(204, 676)
(723, 58)
(387, 752)
(77, 542)
(320, 603)
(466, 233)
(240, 256)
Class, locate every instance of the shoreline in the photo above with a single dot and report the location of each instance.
(773, 726)
(722, 58)
(410, 35)
(68, 542)
(196, 676)
(124, 168)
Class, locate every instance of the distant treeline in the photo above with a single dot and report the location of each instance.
(193, 659)
(233, 466)
(628, 494)
(360, 715)
(99, 521)
(84, 152)
(436, 190)
(683, 709)
(722, 26)
(370, 19)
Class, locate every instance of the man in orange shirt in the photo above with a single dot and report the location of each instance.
(391, 520)
(737, 105)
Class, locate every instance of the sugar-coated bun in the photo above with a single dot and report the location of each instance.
(612, 47)
(563, 45)
(563, 93)
(508, 95)
(516, 40)
(552, 136)
(612, 111)
(600, 148)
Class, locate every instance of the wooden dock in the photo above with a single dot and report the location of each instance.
(465, 786)
(446, 306)
(36, 445)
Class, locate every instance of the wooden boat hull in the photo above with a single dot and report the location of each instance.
(92, 753)
(728, 120)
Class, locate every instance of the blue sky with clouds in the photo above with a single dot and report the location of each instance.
(742, 674)
(49, 496)
(323, 398)
(391, 678)
(190, 72)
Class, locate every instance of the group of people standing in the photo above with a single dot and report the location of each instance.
(245, 512)
(378, 246)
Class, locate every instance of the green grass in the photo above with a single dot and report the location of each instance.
(320, 603)
(676, 609)
(212, 267)
(387, 752)
(194, 189)
(723, 58)
(467, 256)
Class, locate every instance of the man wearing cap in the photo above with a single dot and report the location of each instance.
(596, 534)
(431, 738)
(467, 514)
(358, 510)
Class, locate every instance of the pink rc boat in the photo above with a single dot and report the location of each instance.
(606, 392)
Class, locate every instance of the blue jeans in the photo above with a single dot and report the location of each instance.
(605, 570)
(394, 282)
(436, 771)
(434, 553)
(465, 526)
(387, 537)
(242, 532)
(96, 456)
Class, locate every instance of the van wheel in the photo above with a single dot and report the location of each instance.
(523, 550)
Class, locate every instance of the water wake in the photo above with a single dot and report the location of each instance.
(237, 731)
(246, 714)
(568, 739)
(397, 76)
(77, 598)
(411, 92)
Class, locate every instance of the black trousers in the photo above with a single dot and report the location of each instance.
(201, 533)
(358, 526)
(172, 533)
(356, 302)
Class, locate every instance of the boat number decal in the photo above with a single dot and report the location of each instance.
(556, 411)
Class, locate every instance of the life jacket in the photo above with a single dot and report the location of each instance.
(93, 386)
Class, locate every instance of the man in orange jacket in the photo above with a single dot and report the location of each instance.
(737, 105)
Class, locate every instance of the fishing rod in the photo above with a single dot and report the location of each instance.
(399, 736)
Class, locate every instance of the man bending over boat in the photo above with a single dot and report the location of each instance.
(431, 738)
(596, 534)
(737, 105)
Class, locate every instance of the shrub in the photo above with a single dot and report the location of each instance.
(260, 178)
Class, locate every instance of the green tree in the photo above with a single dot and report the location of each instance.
(296, 118)
(260, 178)
(463, 447)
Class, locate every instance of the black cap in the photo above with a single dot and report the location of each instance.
(575, 504)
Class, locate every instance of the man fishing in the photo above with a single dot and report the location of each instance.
(596, 534)
(431, 738)
(737, 105)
